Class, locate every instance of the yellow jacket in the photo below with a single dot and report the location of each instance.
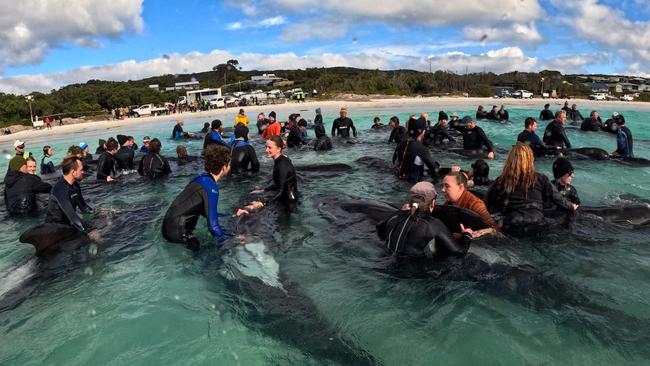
(241, 118)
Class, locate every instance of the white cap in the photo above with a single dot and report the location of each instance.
(18, 143)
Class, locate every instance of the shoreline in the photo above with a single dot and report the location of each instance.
(252, 111)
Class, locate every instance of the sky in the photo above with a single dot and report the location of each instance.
(47, 44)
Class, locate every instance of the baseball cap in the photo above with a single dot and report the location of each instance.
(18, 143)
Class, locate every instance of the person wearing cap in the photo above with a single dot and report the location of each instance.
(546, 114)
(241, 118)
(21, 188)
(262, 121)
(415, 233)
(411, 156)
(214, 137)
(593, 123)
(342, 125)
(273, 128)
(145, 149)
(398, 133)
(474, 138)
(554, 134)
(153, 165)
(503, 113)
(243, 159)
(563, 174)
(295, 138)
(520, 194)
(47, 166)
(624, 141)
(574, 114)
(199, 198)
(125, 155)
(17, 161)
(439, 132)
(106, 164)
(493, 114)
(481, 113)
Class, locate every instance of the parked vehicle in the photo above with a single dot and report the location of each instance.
(523, 94)
(598, 96)
(217, 103)
(628, 97)
(151, 110)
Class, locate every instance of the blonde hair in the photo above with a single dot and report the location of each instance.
(519, 169)
(425, 115)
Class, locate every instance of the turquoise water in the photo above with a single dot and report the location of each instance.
(142, 301)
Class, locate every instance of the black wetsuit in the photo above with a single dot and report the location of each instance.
(20, 192)
(177, 132)
(106, 166)
(546, 115)
(124, 158)
(199, 198)
(64, 201)
(295, 138)
(378, 127)
(186, 160)
(261, 125)
(475, 139)
(398, 134)
(100, 150)
(243, 158)
(569, 192)
(535, 143)
(574, 115)
(610, 126)
(437, 134)
(590, 124)
(481, 114)
(523, 211)
(154, 166)
(342, 126)
(426, 237)
(47, 168)
(411, 157)
(284, 183)
(322, 142)
(493, 115)
(503, 114)
(554, 135)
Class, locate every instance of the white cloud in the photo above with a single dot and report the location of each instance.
(521, 34)
(264, 23)
(574, 64)
(498, 61)
(325, 30)
(30, 28)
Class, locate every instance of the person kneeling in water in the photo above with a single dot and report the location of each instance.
(153, 165)
(563, 173)
(456, 194)
(199, 198)
(415, 233)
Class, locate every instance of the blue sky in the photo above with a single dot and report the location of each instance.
(45, 44)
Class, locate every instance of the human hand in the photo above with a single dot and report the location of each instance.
(490, 155)
(241, 212)
(464, 230)
(257, 191)
(94, 235)
(574, 206)
(109, 179)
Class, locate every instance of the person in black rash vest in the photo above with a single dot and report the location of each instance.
(125, 155)
(243, 159)
(554, 134)
(436, 134)
(343, 124)
(199, 198)
(153, 165)
(66, 198)
(417, 234)
(398, 133)
(411, 155)
(574, 114)
(474, 138)
(503, 113)
(285, 184)
(563, 174)
(546, 114)
(593, 123)
(101, 148)
(106, 165)
(493, 114)
(262, 121)
(206, 127)
(520, 194)
(47, 167)
(21, 188)
(214, 136)
(295, 138)
(323, 142)
(481, 113)
(376, 124)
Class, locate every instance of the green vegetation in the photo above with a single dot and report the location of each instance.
(97, 96)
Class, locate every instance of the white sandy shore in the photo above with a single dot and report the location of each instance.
(427, 104)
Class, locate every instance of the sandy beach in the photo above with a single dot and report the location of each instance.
(331, 106)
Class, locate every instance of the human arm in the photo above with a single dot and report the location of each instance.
(354, 129)
(551, 194)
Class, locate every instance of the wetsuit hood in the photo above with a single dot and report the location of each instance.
(12, 178)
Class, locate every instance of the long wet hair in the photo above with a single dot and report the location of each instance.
(519, 170)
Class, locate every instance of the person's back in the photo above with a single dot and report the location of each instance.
(624, 142)
(47, 166)
(590, 124)
(243, 158)
(124, 158)
(177, 132)
(295, 138)
(546, 114)
(241, 119)
(154, 166)
(20, 192)
(106, 166)
(411, 157)
(397, 134)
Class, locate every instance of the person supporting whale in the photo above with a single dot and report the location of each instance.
(411, 155)
(554, 135)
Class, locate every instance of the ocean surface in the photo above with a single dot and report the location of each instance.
(316, 288)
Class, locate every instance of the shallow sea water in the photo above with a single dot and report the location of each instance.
(142, 301)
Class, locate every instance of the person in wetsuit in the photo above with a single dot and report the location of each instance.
(66, 198)
(546, 114)
(503, 113)
(284, 185)
(554, 135)
(199, 198)
(101, 147)
(295, 138)
(493, 114)
(574, 114)
(343, 124)
(145, 148)
(398, 133)
(438, 133)
(376, 124)
(106, 165)
(593, 123)
(520, 193)
(177, 132)
(182, 157)
(21, 188)
(417, 234)
(153, 165)
(47, 167)
(125, 154)
(214, 137)
(206, 127)
(323, 142)
(530, 138)
(612, 124)
(262, 121)
(480, 175)
(474, 138)
(624, 141)
(243, 159)
(411, 155)
(481, 113)
(563, 174)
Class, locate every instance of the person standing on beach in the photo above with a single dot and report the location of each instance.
(343, 124)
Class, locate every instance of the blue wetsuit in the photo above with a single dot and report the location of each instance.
(213, 138)
(199, 198)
